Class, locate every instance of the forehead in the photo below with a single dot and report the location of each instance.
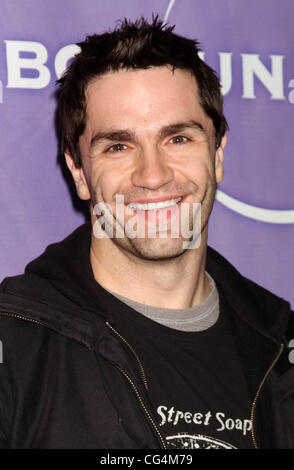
(143, 97)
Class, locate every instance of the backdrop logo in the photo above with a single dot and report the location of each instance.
(27, 68)
(27, 63)
(253, 212)
(273, 80)
(291, 94)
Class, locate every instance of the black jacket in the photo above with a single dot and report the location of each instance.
(69, 380)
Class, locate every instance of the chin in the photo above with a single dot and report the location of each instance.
(153, 250)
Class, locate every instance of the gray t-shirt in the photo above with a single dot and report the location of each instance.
(197, 318)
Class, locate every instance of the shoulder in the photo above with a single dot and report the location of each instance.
(231, 280)
(259, 306)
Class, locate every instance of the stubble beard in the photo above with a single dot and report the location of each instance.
(161, 249)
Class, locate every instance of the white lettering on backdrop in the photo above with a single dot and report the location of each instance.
(252, 67)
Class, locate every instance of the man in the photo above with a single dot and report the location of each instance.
(121, 338)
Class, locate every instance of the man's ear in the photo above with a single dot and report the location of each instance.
(219, 160)
(78, 177)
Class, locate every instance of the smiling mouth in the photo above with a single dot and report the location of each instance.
(154, 206)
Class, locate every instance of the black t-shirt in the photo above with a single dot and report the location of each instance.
(195, 382)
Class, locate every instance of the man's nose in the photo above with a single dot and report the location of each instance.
(152, 169)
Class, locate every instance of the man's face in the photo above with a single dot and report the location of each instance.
(148, 139)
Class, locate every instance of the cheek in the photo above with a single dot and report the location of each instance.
(106, 183)
(198, 171)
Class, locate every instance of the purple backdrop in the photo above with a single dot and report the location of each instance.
(250, 44)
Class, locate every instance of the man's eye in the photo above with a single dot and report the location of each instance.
(117, 148)
(179, 139)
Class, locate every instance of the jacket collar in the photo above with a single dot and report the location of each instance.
(259, 308)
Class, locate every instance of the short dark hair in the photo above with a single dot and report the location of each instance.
(132, 45)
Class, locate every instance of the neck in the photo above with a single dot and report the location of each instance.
(177, 283)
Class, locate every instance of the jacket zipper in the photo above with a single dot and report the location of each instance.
(142, 372)
(258, 393)
(21, 317)
(137, 393)
(141, 403)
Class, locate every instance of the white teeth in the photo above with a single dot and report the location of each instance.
(152, 206)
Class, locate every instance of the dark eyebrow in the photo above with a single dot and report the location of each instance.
(115, 135)
(181, 126)
(123, 135)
